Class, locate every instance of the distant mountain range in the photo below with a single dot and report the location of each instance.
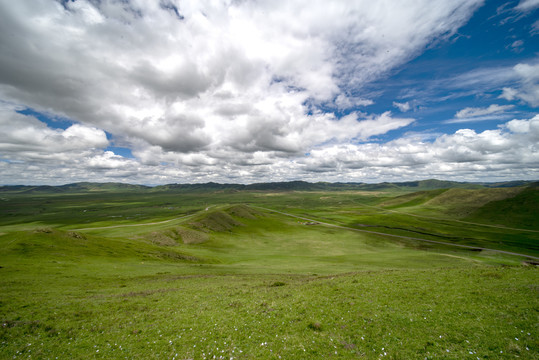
(431, 184)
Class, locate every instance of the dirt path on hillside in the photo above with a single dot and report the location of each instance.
(396, 236)
(131, 225)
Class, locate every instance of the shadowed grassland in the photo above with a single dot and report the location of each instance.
(203, 275)
(518, 211)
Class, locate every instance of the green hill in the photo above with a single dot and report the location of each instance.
(520, 210)
(45, 244)
(200, 228)
(412, 199)
(507, 206)
(461, 202)
(455, 202)
(224, 219)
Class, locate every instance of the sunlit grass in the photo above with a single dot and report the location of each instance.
(446, 313)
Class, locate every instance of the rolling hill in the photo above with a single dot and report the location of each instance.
(119, 272)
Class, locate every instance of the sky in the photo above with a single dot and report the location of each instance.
(247, 91)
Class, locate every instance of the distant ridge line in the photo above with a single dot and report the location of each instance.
(430, 184)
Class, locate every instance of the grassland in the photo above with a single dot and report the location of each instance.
(263, 275)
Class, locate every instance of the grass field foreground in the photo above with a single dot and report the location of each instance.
(205, 276)
(461, 312)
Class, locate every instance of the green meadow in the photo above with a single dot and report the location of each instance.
(116, 272)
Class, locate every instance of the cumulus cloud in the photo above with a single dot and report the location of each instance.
(121, 66)
(22, 134)
(110, 161)
(494, 153)
(225, 90)
(497, 153)
(527, 127)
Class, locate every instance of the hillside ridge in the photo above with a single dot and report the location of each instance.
(420, 185)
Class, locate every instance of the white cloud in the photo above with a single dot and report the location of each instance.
(474, 112)
(491, 117)
(509, 94)
(528, 88)
(109, 160)
(530, 127)
(345, 102)
(506, 152)
(403, 107)
(517, 46)
(123, 66)
(527, 5)
(519, 82)
(23, 136)
(482, 79)
(232, 90)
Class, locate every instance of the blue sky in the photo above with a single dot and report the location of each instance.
(178, 92)
(484, 43)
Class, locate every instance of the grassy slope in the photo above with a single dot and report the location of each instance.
(458, 203)
(421, 215)
(451, 203)
(264, 286)
(518, 211)
(412, 199)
